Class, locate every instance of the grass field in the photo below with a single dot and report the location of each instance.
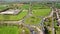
(32, 20)
(25, 6)
(57, 5)
(38, 12)
(13, 30)
(8, 30)
(2, 7)
(39, 6)
(41, 12)
(13, 17)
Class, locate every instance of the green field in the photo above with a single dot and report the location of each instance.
(25, 6)
(38, 12)
(41, 12)
(8, 30)
(2, 7)
(57, 5)
(39, 6)
(32, 20)
(14, 17)
(13, 30)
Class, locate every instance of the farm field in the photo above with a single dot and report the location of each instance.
(36, 19)
(39, 6)
(2, 7)
(25, 6)
(33, 20)
(38, 12)
(13, 30)
(41, 12)
(8, 30)
(14, 17)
